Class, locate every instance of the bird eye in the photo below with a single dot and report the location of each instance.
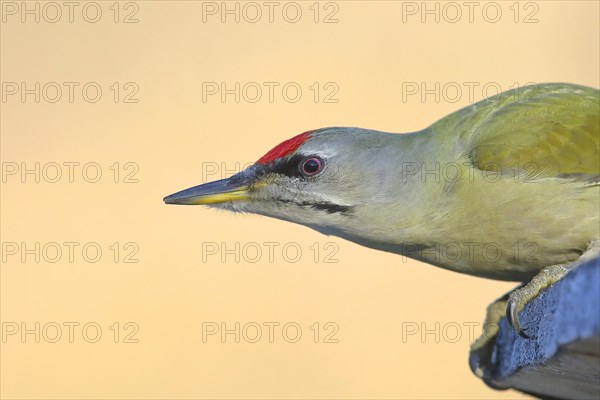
(311, 166)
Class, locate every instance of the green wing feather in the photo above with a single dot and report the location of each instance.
(550, 130)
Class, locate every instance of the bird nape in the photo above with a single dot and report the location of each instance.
(507, 188)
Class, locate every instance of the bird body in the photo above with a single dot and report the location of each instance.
(500, 189)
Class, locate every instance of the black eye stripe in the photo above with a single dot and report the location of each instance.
(292, 166)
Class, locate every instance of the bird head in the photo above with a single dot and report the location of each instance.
(321, 179)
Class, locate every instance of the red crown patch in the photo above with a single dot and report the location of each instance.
(284, 148)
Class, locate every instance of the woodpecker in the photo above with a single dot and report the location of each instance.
(507, 188)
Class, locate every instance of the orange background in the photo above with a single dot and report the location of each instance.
(172, 136)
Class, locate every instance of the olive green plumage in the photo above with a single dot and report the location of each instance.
(550, 130)
(534, 157)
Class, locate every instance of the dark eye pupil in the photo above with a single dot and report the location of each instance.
(311, 166)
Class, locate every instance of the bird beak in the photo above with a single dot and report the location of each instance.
(210, 193)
